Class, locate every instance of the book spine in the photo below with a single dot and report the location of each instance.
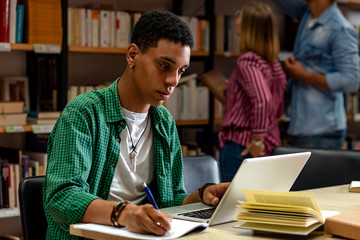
(5, 18)
(12, 21)
(20, 23)
(88, 27)
(25, 163)
(5, 182)
(11, 187)
(105, 25)
(95, 27)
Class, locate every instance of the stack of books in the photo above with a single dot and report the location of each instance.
(44, 22)
(11, 114)
(38, 117)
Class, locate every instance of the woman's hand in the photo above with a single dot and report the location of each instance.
(255, 148)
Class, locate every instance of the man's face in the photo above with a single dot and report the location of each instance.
(157, 72)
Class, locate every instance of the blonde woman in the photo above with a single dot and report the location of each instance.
(254, 93)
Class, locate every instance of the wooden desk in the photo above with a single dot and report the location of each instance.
(337, 198)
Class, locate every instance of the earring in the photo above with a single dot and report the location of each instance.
(132, 66)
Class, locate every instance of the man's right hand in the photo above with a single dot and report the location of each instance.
(145, 219)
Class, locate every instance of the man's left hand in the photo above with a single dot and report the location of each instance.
(212, 194)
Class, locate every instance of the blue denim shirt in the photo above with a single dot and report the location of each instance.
(328, 46)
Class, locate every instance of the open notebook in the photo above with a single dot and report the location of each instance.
(179, 228)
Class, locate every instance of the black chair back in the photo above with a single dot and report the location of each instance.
(33, 220)
(325, 167)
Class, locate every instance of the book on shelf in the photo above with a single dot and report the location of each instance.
(44, 22)
(216, 83)
(283, 212)
(34, 168)
(20, 13)
(3, 182)
(44, 114)
(12, 21)
(344, 224)
(200, 30)
(45, 86)
(5, 20)
(14, 180)
(25, 166)
(13, 119)
(105, 28)
(11, 107)
(123, 29)
(37, 121)
(354, 186)
(15, 88)
(37, 160)
(95, 23)
(179, 228)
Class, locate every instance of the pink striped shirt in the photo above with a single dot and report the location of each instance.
(254, 101)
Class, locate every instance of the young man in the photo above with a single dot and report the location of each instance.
(325, 65)
(106, 143)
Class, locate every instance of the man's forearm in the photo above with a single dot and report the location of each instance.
(315, 79)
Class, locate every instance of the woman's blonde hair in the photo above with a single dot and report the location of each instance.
(258, 31)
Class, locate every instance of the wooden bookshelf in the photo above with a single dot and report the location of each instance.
(226, 54)
(27, 128)
(192, 122)
(21, 46)
(39, 128)
(80, 49)
(97, 50)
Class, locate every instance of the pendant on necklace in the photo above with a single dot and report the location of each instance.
(133, 159)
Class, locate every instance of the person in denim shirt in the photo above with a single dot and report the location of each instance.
(324, 66)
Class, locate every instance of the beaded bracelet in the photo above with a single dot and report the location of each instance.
(115, 214)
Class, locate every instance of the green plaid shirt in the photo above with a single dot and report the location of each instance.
(83, 151)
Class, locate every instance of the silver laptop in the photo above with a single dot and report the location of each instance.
(277, 173)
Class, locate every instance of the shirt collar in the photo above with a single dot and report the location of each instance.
(113, 108)
(112, 104)
(327, 14)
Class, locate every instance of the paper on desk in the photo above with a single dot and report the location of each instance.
(178, 228)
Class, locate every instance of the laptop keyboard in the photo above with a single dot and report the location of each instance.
(202, 214)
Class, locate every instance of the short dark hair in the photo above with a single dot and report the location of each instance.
(159, 24)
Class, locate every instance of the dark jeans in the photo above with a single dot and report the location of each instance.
(333, 140)
(230, 160)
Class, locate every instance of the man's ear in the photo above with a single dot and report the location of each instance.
(132, 51)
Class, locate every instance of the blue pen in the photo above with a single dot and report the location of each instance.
(150, 196)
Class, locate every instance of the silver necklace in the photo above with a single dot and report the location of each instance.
(133, 152)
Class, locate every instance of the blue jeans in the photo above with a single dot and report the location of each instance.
(230, 160)
(333, 140)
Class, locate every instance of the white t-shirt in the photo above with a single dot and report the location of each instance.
(127, 181)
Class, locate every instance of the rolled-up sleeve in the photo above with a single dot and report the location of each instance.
(346, 61)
